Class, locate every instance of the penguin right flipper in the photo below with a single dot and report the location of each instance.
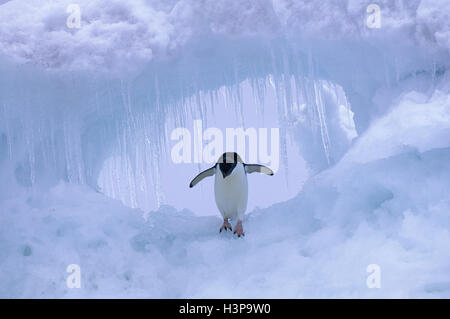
(202, 175)
(256, 168)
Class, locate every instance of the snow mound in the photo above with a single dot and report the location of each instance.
(421, 124)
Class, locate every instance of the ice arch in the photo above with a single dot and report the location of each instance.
(64, 124)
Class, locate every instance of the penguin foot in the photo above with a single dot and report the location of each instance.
(225, 226)
(238, 230)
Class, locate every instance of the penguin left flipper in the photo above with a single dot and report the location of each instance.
(252, 168)
(202, 175)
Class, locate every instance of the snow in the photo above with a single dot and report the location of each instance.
(176, 254)
(392, 212)
(417, 129)
(115, 34)
(87, 179)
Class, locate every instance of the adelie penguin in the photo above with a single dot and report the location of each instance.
(231, 187)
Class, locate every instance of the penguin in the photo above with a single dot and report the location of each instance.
(231, 187)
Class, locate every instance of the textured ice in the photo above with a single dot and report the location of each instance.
(116, 33)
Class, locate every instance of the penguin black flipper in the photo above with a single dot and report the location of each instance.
(252, 168)
(202, 175)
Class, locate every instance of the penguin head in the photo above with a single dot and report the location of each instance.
(227, 162)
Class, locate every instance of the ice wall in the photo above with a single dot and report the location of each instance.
(122, 127)
(74, 101)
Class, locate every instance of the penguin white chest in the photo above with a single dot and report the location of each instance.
(231, 192)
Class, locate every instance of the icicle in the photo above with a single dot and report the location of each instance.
(322, 120)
